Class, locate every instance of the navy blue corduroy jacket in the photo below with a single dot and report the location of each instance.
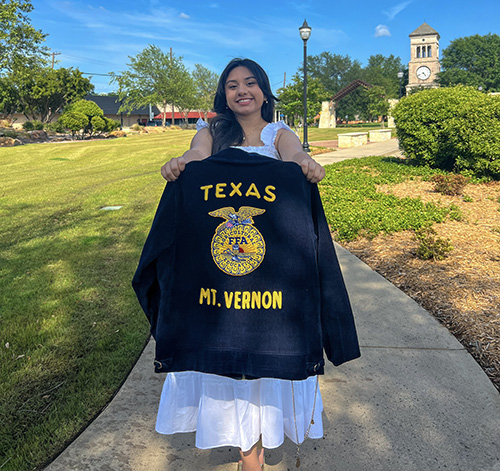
(239, 276)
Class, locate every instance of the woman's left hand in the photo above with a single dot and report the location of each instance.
(313, 171)
(290, 149)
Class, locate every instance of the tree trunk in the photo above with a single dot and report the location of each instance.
(164, 117)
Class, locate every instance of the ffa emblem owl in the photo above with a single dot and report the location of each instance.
(238, 248)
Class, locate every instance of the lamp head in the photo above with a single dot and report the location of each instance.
(305, 31)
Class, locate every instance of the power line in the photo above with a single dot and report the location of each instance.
(103, 75)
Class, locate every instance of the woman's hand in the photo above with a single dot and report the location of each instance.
(201, 147)
(173, 168)
(313, 171)
(290, 149)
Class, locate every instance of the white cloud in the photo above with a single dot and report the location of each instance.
(184, 16)
(392, 12)
(382, 30)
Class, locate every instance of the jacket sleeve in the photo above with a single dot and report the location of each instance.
(157, 250)
(340, 340)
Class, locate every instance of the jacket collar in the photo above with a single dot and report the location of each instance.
(236, 156)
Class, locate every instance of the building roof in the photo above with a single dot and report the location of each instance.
(350, 88)
(191, 114)
(424, 30)
(110, 105)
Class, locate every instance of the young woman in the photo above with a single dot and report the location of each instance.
(240, 412)
(244, 105)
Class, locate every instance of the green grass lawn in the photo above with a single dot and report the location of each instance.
(70, 326)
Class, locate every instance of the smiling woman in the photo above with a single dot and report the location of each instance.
(243, 127)
(244, 98)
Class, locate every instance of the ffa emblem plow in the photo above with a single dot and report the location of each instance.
(238, 248)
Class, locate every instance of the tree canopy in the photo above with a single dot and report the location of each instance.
(42, 92)
(205, 82)
(19, 41)
(157, 78)
(334, 72)
(473, 61)
(377, 102)
(291, 98)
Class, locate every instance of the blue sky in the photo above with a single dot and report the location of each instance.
(98, 36)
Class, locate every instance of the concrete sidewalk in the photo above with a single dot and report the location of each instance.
(390, 147)
(415, 401)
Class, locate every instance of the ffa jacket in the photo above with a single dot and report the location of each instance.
(239, 276)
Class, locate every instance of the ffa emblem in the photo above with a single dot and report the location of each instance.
(238, 248)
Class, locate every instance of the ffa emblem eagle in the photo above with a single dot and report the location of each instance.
(238, 248)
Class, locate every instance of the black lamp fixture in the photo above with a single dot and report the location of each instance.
(400, 76)
(305, 32)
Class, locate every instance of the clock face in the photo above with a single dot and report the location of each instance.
(423, 73)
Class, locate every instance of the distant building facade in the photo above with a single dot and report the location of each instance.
(111, 104)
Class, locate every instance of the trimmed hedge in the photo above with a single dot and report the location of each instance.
(454, 129)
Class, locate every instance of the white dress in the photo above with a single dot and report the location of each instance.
(230, 412)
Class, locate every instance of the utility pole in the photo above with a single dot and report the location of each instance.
(284, 80)
(54, 54)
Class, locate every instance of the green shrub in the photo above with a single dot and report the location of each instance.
(87, 107)
(430, 245)
(56, 126)
(451, 184)
(98, 124)
(9, 133)
(111, 125)
(28, 126)
(454, 129)
(33, 126)
(74, 121)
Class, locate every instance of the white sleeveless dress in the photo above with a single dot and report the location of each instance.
(230, 412)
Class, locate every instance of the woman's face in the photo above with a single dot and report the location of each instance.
(243, 94)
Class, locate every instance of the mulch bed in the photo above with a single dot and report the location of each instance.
(463, 290)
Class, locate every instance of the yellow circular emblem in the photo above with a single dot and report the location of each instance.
(238, 248)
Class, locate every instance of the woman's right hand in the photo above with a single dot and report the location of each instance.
(201, 147)
(173, 168)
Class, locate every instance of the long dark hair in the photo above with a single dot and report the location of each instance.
(225, 129)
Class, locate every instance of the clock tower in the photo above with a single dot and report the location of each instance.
(424, 59)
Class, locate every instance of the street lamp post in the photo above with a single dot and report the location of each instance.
(400, 76)
(305, 32)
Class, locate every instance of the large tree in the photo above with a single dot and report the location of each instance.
(9, 101)
(472, 60)
(378, 106)
(291, 98)
(335, 72)
(43, 92)
(205, 82)
(154, 77)
(383, 71)
(19, 41)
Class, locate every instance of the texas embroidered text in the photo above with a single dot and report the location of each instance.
(223, 190)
